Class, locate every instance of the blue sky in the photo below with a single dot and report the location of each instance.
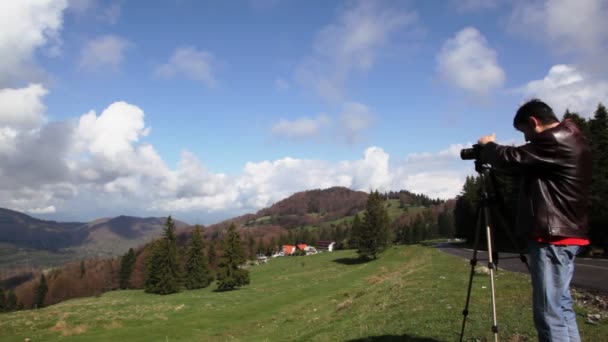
(209, 109)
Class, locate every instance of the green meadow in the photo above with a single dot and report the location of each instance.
(410, 293)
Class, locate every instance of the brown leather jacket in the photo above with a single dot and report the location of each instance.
(556, 178)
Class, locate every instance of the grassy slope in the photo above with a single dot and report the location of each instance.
(412, 291)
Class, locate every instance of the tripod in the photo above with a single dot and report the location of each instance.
(486, 202)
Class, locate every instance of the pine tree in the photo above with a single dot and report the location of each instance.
(126, 268)
(251, 246)
(373, 236)
(355, 232)
(212, 255)
(164, 273)
(598, 127)
(2, 301)
(197, 271)
(83, 270)
(11, 301)
(230, 275)
(40, 293)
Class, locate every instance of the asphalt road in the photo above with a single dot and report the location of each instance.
(588, 273)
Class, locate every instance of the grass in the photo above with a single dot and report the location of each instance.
(410, 292)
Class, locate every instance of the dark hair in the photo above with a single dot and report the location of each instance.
(537, 109)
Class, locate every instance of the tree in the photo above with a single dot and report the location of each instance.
(230, 275)
(83, 270)
(126, 268)
(2, 301)
(197, 270)
(355, 232)
(212, 255)
(163, 271)
(251, 246)
(11, 301)
(598, 128)
(40, 293)
(373, 235)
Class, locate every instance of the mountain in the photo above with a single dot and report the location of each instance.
(29, 242)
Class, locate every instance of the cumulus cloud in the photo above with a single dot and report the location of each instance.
(104, 51)
(568, 26)
(101, 161)
(299, 129)
(467, 62)
(350, 44)
(26, 26)
(566, 87)
(22, 108)
(190, 63)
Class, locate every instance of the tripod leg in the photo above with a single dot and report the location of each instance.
(492, 267)
(473, 263)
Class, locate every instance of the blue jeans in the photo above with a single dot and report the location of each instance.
(551, 269)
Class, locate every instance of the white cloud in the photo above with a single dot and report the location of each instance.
(46, 210)
(190, 63)
(351, 44)
(355, 118)
(302, 128)
(104, 51)
(22, 108)
(565, 87)
(26, 26)
(568, 26)
(467, 62)
(113, 132)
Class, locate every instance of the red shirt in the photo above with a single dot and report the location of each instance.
(564, 241)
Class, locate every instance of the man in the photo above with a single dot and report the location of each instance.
(555, 165)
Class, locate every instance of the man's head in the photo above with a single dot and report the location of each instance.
(534, 117)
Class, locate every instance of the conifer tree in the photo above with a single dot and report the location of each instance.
(230, 275)
(355, 232)
(11, 301)
(163, 268)
(126, 268)
(373, 236)
(197, 273)
(40, 293)
(82, 269)
(598, 128)
(2, 301)
(212, 255)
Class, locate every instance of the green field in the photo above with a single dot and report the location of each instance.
(411, 293)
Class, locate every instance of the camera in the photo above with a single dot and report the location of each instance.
(473, 153)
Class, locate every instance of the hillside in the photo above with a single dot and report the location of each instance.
(411, 293)
(27, 242)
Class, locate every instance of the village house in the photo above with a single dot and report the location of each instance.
(326, 246)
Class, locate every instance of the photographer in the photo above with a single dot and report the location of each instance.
(555, 165)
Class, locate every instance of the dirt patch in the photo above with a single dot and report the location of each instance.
(113, 325)
(63, 327)
(345, 304)
(403, 270)
(596, 303)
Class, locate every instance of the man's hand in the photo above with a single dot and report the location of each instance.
(486, 139)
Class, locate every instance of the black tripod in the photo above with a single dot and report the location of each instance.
(488, 199)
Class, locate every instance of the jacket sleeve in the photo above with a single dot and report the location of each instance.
(534, 155)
